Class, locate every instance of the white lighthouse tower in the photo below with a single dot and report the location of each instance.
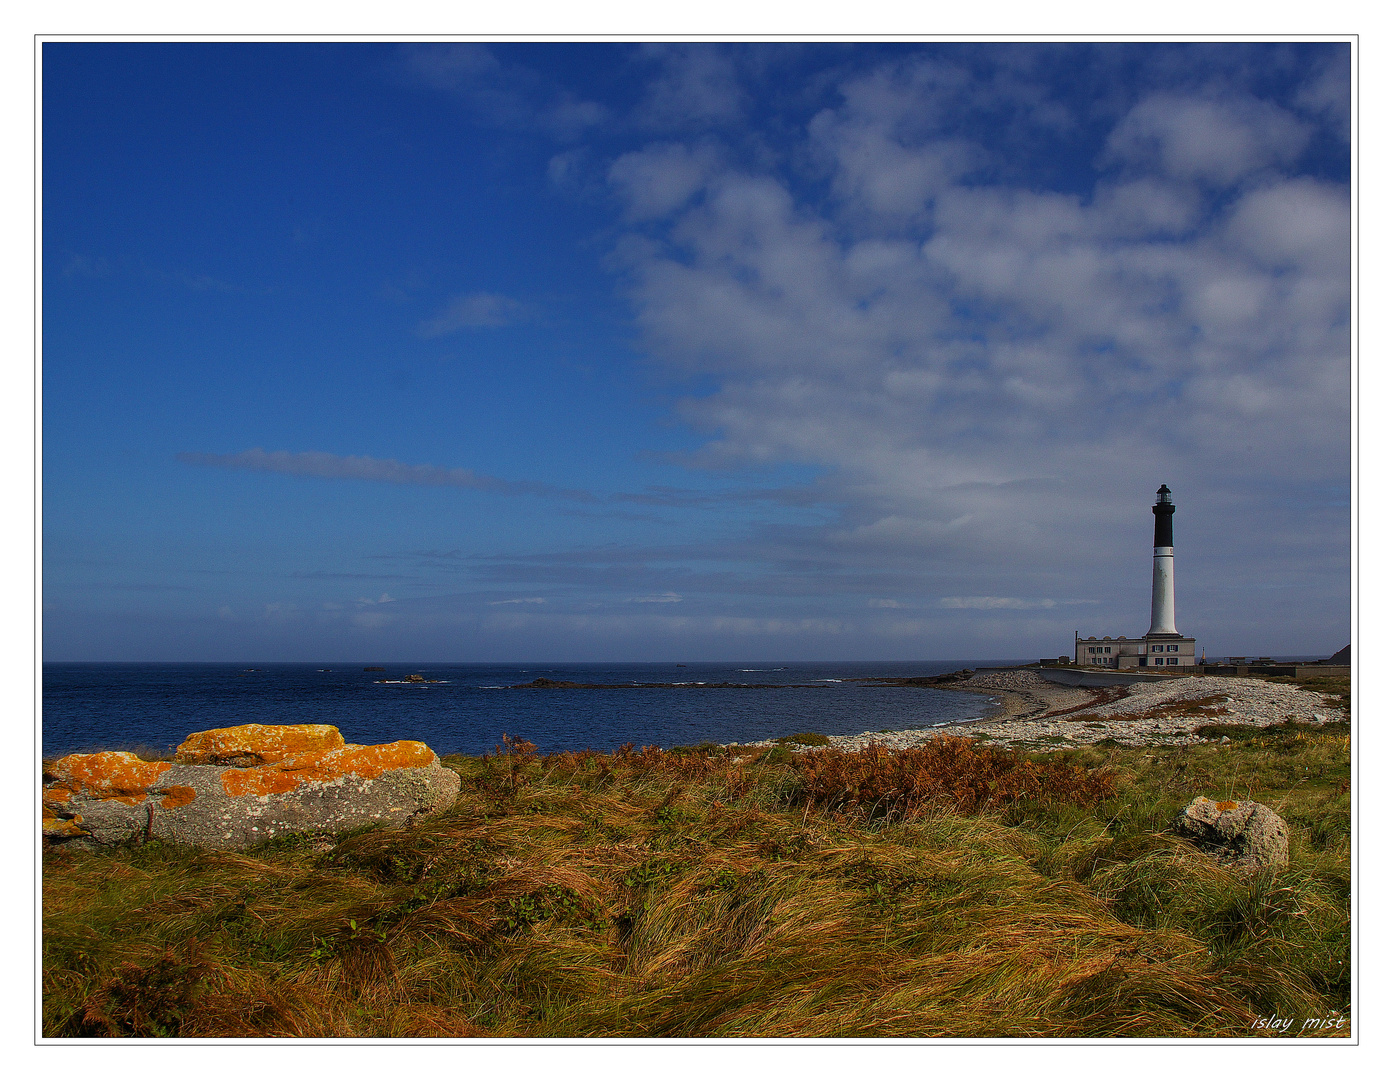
(1162, 647)
(1163, 568)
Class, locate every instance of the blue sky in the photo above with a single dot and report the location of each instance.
(653, 352)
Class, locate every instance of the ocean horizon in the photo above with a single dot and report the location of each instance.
(468, 707)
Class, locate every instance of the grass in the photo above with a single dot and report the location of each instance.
(959, 891)
(803, 738)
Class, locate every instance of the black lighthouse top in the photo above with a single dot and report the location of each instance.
(1163, 511)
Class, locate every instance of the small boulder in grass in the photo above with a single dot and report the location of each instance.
(232, 788)
(1247, 834)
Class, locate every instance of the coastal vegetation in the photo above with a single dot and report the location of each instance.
(951, 890)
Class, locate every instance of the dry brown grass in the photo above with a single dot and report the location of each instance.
(948, 772)
(956, 891)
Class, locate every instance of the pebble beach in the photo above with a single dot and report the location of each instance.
(1035, 714)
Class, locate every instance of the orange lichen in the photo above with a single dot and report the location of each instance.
(368, 762)
(263, 780)
(54, 826)
(257, 744)
(113, 774)
(1227, 804)
(372, 761)
(176, 795)
(57, 795)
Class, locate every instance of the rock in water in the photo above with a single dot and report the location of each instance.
(1247, 833)
(231, 788)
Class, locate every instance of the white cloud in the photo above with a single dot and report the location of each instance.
(453, 67)
(568, 118)
(993, 603)
(472, 312)
(520, 600)
(661, 178)
(379, 470)
(696, 84)
(883, 166)
(1218, 141)
(1327, 92)
(501, 94)
(1144, 207)
(660, 598)
(372, 620)
(1298, 225)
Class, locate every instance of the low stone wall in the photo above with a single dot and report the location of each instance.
(1083, 677)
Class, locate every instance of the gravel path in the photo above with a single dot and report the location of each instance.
(1034, 712)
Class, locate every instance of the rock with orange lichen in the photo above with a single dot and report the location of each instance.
(232, 788)
(256, 744)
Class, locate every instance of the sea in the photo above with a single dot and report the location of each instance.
(468, 708)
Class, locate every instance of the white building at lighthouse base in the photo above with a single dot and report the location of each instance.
(1152, 651)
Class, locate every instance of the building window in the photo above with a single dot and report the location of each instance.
(1172, 659)
(1172, 648)
(1107, 648)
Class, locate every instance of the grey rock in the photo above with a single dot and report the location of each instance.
(1248, 834)
(200, 804)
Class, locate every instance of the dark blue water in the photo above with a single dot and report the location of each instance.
(111, 706)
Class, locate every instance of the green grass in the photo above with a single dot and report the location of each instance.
(679, 894)
(803, 738)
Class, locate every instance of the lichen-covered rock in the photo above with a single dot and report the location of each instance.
(1246, 833)
(256, 744)
(232, 788)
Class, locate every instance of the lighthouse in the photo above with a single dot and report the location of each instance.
(1162, 646)
(1163, 568)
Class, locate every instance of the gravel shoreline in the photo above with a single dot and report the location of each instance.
(1033, 713)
